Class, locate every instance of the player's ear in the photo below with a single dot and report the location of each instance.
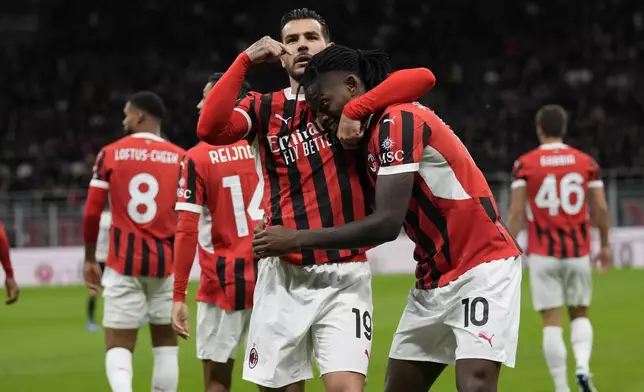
(352, 84)
(330, 44)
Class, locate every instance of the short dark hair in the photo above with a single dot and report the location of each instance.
(371, 66)
(243, 90)
(149, 102)
(553, 120)
(305, 13)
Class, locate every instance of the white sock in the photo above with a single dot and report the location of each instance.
(165, 377)
(554, 349)
(118, 366)
(581, 337)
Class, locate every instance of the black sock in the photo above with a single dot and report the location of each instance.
(91, 308)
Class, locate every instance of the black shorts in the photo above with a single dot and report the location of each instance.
(102, 265)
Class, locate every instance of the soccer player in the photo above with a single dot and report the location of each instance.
(305, 303)
(102, 246)
(465, 306)
(139, 172)
(216, 187)
(11, 287)
(553, 185)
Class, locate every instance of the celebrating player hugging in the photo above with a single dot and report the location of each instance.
(305, 301)
(465, 306)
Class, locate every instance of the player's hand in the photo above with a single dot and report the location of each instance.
(603, 260)
(266, 50)
(180, 319)
(350, 132)
(275, 241)
(13, 292)
(92, 275)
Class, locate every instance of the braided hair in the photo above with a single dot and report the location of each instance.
(371, 66)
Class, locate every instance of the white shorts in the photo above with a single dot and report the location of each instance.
(474, 317)
(557, 282)
(128, 299)
(219, 332)
(299, 312)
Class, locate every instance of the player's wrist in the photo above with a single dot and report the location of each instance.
(8, 274)
(179, 298)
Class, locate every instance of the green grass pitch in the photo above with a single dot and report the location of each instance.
(44, 344)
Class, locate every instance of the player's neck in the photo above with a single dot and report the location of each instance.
(551, 140)
(294, 87)
(155, 131)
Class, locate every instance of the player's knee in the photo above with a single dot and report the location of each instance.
(344, 382)
(216, 386)
(475, 384)
(477, 376)
(577, 312)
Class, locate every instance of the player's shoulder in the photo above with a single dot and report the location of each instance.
(199, 151)
(407, 111)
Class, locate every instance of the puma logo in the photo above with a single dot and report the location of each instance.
(389, 120)
(366, 352)
(484, 337)
(284, 120)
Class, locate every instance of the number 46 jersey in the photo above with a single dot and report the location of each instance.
(557, 178)
(222, 185)
(140, 172)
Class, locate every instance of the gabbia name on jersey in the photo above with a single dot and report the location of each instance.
(452, 215)
(221, 184)
(557, 178)
(140, 172)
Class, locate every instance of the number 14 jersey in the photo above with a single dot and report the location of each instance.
(221, 183)
(557, 178)
(140, 172)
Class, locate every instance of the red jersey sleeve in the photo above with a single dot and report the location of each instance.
(221, 121)
(101, 171)
(401, 86)
(191, 187)
(519, 173)
(398, 142)
(594, 177)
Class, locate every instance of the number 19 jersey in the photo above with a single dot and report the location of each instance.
(140, 172)
(557, 178)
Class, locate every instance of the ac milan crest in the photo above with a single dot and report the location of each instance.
(253, 358)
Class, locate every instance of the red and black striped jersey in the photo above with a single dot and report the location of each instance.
(221, 184)
(557, 178)
(140, 172)
(452, 215)
(310, 181)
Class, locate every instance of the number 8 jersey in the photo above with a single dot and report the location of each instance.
(140, 172)
(557, 178)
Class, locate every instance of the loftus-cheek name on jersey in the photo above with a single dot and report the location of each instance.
(557, 160)
(300, 143)
(228, 154)
(143, 154)
(385, 159)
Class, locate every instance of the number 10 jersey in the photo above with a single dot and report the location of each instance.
(140, 172)
(557, 178)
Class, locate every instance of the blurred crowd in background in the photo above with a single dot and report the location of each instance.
(68, 67)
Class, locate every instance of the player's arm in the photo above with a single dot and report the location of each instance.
(190, 199)
(599, 215)
(383, 225)
(221, 122)
(518, 199)
(96, 198)
(5, 257)
(401, 86)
